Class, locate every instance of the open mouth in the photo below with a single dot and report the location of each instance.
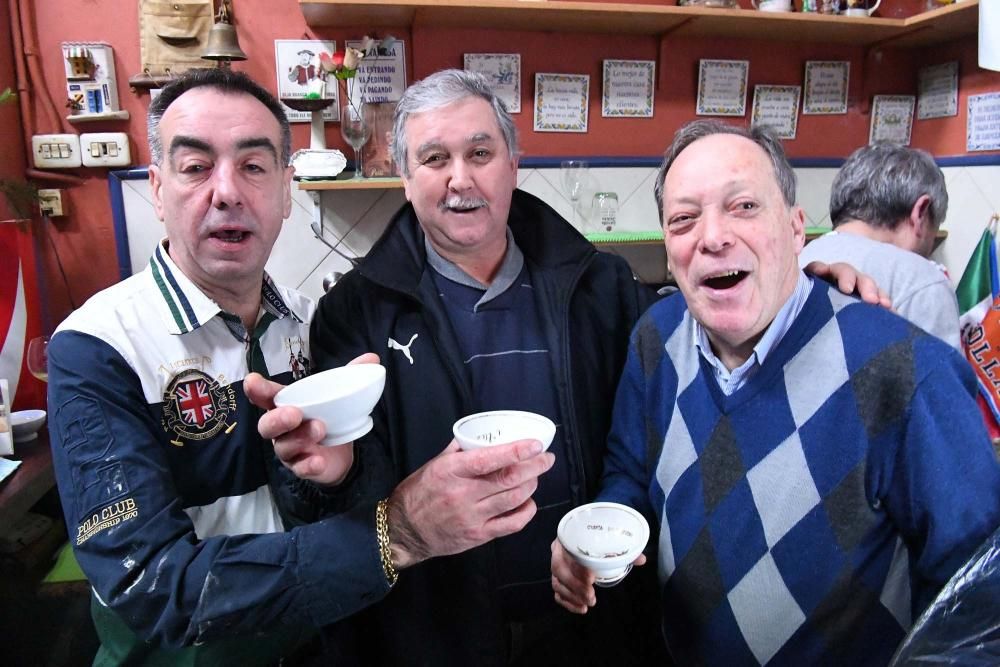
(725, 280)
(229, 235)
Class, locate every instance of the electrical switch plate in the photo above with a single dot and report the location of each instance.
(105, 149)
(56, 151)
(51, 203)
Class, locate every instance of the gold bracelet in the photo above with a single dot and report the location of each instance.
(382, 535)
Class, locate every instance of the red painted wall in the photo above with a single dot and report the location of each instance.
(85, 238)
(17, 247)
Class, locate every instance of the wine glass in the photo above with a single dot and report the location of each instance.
(38, 357)
(574, 173)
(355, 129)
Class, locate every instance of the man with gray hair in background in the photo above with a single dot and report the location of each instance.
(886, 205)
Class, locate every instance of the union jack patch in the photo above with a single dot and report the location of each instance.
(195, 406)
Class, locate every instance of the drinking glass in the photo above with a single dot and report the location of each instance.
(574, 173)
(38, 357)
(355, 129)
(604, 211)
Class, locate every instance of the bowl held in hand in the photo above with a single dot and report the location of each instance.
(499, 427)
(605, 538)
(342, 398)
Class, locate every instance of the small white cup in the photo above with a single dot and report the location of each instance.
(342, 398)
(773, 5)
(499, 427)
(605, 538)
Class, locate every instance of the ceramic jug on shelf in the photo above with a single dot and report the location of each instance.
(861, 8)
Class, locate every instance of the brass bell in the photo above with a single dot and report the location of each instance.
(223, 46)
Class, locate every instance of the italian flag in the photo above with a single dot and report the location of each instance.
(979, 305)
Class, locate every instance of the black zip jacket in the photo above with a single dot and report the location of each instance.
(446, 611)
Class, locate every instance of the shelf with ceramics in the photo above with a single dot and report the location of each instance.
(947, 23)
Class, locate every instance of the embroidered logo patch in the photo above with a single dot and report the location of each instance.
(195, 406)
(405, 349)
(107, 517)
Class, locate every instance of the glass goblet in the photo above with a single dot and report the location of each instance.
(574, 173)
(38, 357)
(355, 129)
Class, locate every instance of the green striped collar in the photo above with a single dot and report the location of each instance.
(185, 307)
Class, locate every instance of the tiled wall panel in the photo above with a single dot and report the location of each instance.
(353, 220)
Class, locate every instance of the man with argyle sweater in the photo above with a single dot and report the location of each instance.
(815, 465)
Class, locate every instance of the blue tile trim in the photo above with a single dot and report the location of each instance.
(969, 161)
(799, 163)
(115, 179)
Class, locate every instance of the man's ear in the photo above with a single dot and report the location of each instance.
(155, 185)
(286, 194)
(798, 221)
(406, 186)
(920, 217)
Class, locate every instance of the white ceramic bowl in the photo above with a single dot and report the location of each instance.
(342, 398)
(499, 427)
(604, 538)
(24, 424)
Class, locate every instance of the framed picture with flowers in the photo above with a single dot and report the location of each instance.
(300, 75)
(628, 88)
(381, 70)
(892, 119)
(722, 87)
(561, 102)
(504, 71)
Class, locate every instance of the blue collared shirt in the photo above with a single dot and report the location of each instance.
(731, 381)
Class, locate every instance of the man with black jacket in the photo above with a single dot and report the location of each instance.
(481, 297)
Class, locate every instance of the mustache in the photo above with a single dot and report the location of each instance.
(462, 203)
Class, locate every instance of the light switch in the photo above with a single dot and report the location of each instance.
(107, 149)
(55, 151)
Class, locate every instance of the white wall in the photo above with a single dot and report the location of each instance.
(353, 220)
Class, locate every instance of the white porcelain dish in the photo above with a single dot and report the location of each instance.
(25, 424)
(342, 398)
(486, 429)
(605, 538)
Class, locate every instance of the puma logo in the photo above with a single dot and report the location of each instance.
(405, 349)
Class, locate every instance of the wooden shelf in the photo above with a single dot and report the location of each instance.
(940, 25)
(351, 184)
(97, 117)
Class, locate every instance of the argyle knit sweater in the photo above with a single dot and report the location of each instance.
(811, 515)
